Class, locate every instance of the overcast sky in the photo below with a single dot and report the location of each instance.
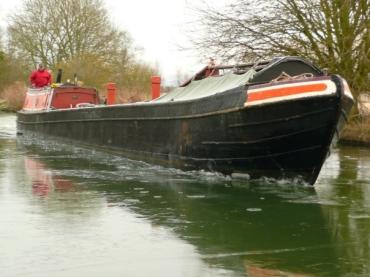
(155, 26)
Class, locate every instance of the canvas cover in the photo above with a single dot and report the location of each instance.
(208, 86)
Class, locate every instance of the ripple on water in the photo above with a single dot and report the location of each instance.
(121, 168)
(195, 196)
(314, 200)
(132, 201)
(8, 126)
(254, 210)
(359, 216)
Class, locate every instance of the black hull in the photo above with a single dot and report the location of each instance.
(280, 140)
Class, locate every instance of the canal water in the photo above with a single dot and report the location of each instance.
(70, 211)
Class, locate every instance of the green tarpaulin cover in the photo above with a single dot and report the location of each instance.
(208, 86)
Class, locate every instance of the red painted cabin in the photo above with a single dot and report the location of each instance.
(69, 97)
(60, 98)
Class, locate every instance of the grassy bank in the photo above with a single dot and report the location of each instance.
(12, 97)
(357, 132)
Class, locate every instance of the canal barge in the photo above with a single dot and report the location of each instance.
(276, 118)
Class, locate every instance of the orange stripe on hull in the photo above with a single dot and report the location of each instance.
(285, 91)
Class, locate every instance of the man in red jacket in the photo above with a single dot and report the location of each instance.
(40, 77)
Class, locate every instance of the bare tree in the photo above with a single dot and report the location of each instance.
(334, 34)
(54, 31)
(76, 35)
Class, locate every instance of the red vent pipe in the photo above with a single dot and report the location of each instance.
(156, 87)
(111, 93)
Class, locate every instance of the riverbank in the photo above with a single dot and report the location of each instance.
(356, 132)
(4, 108)
(12, 97)
(2, 105)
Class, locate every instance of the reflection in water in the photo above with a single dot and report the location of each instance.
(256, 271)
(67, 211)
(349, 218)
(236, 227)
(42, 179)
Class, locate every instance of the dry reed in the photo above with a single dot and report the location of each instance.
(13, 96)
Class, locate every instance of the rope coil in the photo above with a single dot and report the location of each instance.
(286, 77)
